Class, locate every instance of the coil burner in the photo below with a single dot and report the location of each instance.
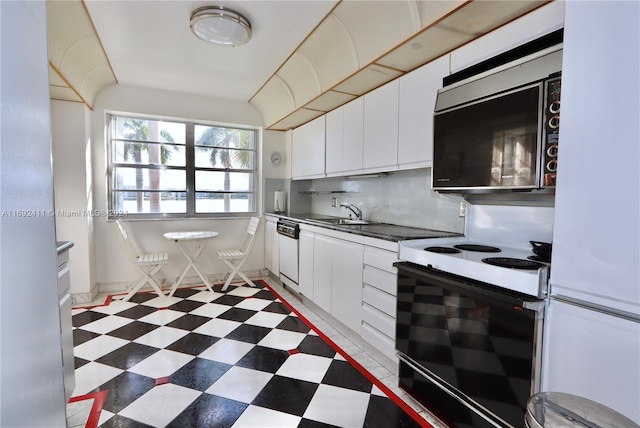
(442, 250)
(513, 263)
(478, 248)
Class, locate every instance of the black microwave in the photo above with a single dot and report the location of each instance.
(499, 131)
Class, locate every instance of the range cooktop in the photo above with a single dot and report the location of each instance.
(501, 265)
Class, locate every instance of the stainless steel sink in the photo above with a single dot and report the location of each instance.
(344, 221)
(354, 222)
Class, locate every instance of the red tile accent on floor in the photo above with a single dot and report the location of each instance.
(162, 380)
(96, 408)
(293, 351)
(107, 302)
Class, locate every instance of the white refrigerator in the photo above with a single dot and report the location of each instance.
(592, 328)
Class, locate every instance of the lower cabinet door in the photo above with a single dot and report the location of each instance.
(305, 278)
(346, 283)
(322, 248)
(380, 341)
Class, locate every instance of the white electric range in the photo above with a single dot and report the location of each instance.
(461, 256)
(463, 323)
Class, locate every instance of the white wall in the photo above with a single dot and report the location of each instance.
(112, 268)
(274, 141)
(31, 385)
(74, 192)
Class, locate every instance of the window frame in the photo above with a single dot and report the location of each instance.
(189, 169)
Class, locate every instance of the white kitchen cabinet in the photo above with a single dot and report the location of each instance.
(305, 250)
(346, 282)
(344, 139)
(334, 269)
(271, 250)
(529, 27)
(417, 99)
(352, 278)
(353, 136)
(322, 247)
(379, 292)
(333, 142)
(308, 150)
(381, 128)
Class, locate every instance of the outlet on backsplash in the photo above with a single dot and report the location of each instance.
(463, 209)
(334, 202)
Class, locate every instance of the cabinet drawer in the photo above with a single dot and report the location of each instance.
(380, 279)
(64, 280)
(380, 259)
(378, 319)
(63, 258)
(381, 342)
(380, 300)
(381, 244)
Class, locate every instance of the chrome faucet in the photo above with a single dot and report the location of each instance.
(357, 211)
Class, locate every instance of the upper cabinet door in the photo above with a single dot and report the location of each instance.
(333, 141)
(352, 136)
(417, 100)
(543, 20)
(307, 150)
(344, 139)
(381, 128)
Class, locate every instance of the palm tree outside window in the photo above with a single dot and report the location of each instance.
(164, 168)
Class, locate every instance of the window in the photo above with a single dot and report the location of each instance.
(164, 168)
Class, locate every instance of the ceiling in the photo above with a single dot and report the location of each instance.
(306, 57)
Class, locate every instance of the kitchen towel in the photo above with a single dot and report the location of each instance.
(279, 201)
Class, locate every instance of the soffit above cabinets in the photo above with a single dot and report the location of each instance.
(78, 65)
(361, 45)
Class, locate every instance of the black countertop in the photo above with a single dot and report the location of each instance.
(385, 231)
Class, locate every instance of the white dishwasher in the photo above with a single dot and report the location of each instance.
(288, 234)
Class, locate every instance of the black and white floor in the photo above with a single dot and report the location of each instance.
(247, 357)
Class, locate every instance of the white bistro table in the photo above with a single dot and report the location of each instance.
(182, 239)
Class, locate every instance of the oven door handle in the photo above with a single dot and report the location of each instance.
(471, 287)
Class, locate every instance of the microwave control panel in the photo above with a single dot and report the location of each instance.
(552, 128)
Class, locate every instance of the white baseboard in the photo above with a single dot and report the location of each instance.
(121, 287)
(84, 298)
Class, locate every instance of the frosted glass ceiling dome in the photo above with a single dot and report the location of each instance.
(220, 26)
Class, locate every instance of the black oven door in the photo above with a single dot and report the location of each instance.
(468, 351)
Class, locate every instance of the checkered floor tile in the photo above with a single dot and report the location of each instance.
(240, 358)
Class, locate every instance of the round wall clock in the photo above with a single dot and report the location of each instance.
(275, 158)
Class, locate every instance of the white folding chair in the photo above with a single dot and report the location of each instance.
(235, 258)
(148, 265)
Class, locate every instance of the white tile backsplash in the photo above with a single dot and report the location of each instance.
(403, 198)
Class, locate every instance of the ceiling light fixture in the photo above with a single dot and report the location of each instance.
(220, 26)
